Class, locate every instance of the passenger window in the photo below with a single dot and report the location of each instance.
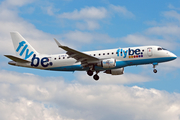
(112, 53)
(54, 58)
(94, 54)
(103, 53)
(99, 54)
(63, 57)
(107, 53)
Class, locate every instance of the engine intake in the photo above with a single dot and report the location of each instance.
(118, 71)
(107, 63)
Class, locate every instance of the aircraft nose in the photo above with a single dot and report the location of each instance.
(172, 55)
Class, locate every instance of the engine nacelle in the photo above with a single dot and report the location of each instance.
(118, 71)
(107, 63)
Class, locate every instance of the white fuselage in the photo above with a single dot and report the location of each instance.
(111, 61)
(123, 56)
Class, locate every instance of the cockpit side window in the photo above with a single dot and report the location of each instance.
(159, 48)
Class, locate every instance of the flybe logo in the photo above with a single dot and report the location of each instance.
(27, 54)
(44, 61)
(130, 52)
(35, 60)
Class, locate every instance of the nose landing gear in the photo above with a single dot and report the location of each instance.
(154, 65)
(155, 71)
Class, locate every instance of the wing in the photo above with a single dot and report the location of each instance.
(84, 58)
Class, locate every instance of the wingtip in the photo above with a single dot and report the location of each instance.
(6, 55)
(57, 42)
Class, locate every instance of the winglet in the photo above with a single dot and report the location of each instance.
(59, 45)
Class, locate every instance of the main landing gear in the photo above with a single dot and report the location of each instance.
(154, 65)
(90, 73)
(96, 77)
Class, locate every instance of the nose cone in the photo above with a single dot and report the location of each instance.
(173, 56)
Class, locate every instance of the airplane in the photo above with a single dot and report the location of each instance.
(111, 61)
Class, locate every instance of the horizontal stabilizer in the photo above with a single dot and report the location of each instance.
(16, 59)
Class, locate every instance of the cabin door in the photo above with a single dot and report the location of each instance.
(149, 52)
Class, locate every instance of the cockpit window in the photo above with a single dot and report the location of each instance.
(159, 48)
(162, 49)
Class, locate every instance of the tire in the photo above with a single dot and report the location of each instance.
(96, 77)
(90, 72)
(155, 71)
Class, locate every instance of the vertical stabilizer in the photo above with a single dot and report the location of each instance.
(22, 48)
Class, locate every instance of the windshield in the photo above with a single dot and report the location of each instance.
(164, 48)
(161, 48)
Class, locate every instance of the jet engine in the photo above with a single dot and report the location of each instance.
(107, 63)
(118, 71)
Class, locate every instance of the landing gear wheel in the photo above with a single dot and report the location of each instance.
(96, 77)
(90, 72)
(155, 71)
